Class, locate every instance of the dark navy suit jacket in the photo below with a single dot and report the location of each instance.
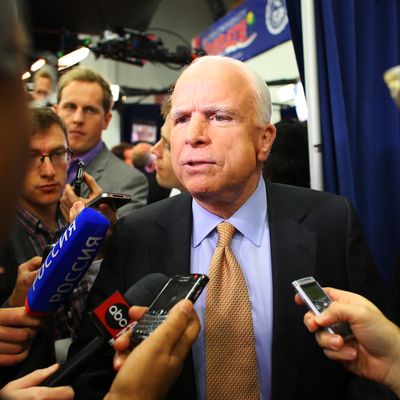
(312, 233)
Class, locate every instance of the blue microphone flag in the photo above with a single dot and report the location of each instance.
(67, 263)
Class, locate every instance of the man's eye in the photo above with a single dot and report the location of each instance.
(58, 154)
(220, 117)
(181, 120)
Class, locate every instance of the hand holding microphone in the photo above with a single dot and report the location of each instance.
(17, 330)
(110, 317)
(26, 388)
(26, 275)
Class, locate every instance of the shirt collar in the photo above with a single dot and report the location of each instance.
(33, 225)
(249, 219)
(85, 157)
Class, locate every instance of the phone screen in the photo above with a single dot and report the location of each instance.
(174, 291)
(313, 291)
(179, 287)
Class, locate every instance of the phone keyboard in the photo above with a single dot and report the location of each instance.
(146, 325)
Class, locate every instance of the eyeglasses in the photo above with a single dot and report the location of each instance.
(57, 158)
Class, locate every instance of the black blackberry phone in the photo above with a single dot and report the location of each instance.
(177, 288)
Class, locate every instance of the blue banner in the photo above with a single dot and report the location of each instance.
(248, 30)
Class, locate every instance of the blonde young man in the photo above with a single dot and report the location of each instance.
(84, 102)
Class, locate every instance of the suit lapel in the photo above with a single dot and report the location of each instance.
(175, 226)
(293, 254)
(96, 167)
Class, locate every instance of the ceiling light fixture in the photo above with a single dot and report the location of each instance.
(73, 58)
(38, 64)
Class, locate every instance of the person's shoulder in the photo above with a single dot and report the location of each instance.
(295, 197)
(119, 167)
(169, 209)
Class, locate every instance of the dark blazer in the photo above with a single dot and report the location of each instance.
(112, 175)
(312, 233)
(18, 250)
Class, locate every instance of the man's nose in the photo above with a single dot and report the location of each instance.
(78, 115)
(47, 168)
(196, 133)
(157, 149)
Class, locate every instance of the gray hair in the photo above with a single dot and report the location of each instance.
(262, 97)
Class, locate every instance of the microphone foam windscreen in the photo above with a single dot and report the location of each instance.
(67, 262)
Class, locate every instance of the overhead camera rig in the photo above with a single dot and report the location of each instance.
(135, 47)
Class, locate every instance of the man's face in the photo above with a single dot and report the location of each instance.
(162, 150)
(42, 88)
(81, 107)
(43, 184)
(217, 147)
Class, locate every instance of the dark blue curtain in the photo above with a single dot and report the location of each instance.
(357, 40)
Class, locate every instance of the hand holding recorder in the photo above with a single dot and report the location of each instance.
(375, 352)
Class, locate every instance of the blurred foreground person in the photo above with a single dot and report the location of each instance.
(16, 327)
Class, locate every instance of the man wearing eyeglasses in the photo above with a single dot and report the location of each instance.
(39, 223)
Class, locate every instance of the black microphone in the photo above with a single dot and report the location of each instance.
(111, 317)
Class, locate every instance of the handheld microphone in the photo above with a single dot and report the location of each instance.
(67, 263)
(112, 318)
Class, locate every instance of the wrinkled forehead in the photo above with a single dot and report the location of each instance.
(211, 82)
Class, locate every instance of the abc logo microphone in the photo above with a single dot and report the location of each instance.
(112, 319)
(112, 315)
(67, 262)
(117, 316)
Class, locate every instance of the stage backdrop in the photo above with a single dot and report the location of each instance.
(357, 40)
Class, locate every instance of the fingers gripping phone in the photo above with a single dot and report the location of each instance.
(317, 300)
(177, 288)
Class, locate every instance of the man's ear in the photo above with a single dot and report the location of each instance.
(55, 108)
(107, 119)
(266, 140)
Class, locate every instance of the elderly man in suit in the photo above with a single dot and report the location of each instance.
(252, 343)
(84, 102)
